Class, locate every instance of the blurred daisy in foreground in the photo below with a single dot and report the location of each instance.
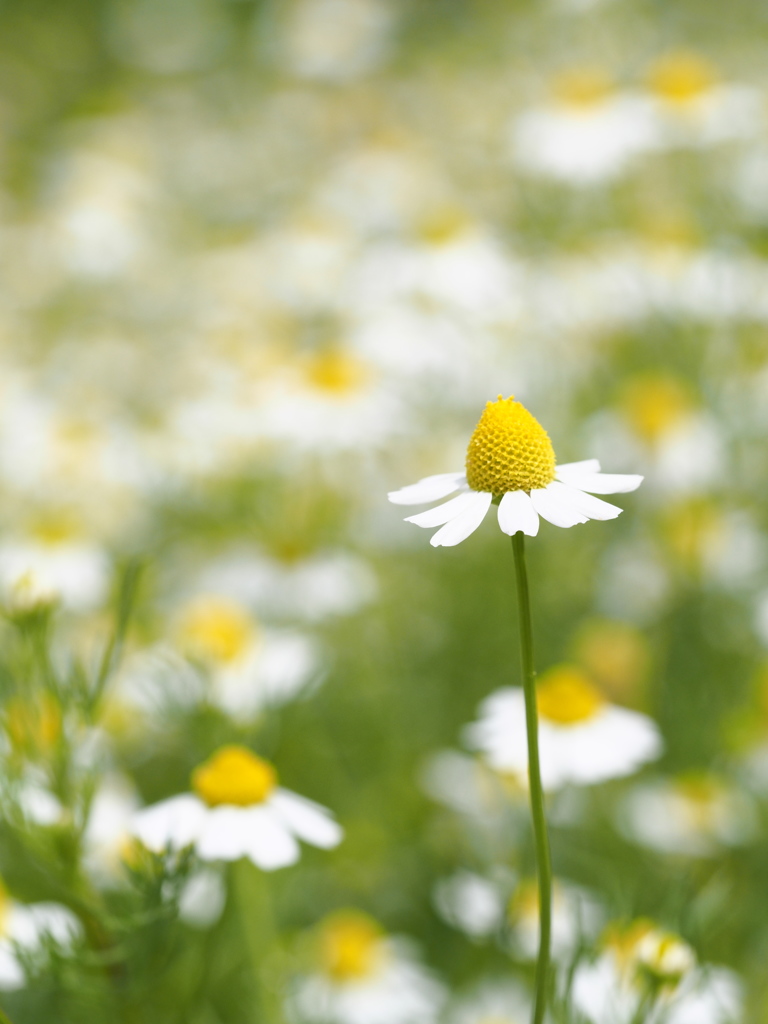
(52, 562)
(695, 108)
(493, 1001)
(645, 970)
(24, 928)
(364, 976)
(329, 401)
(249, 667)
(237, 810)
(586, 134)
(499, 907)
(694, 815)
(294, 584)
(511, 462)
(582, 738)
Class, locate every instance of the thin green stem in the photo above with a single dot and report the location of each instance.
(541, 839)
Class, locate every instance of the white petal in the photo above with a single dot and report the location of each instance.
(176, 822)
(11, 972)
(593, 508)
(269, 843)
(585, 466)
(225, 834)
(431, 488)
(444, 513)
(460, 528)
(601, 483)
(306, 819)
(554, 509)
(516, 513)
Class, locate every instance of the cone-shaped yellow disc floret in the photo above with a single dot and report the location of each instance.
(509, 450)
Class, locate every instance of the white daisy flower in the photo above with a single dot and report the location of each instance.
(643, 966)
(237, 810)
(695, 815)
(24, 926)
(493, 1001)
(312, 586)
(51, 563)
(582, 738)
(588, 134)
(497, 906)
(365, 977)
(249, 667)
(511, 462)
(693, 107)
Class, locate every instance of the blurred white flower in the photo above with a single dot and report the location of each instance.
(223, 655)
(510, 454)
(587, 134)
(237, 810)
(309, 586)
(44, 569)
(692, 107)
(364, 976)
(107, 831)
(582, 739)
(507, 909)
(24, 926)
(694, 815)
(336, 40)
(472, 903)
(202, 898)
(645, 967)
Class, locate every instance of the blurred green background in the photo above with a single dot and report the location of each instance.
(261, 263)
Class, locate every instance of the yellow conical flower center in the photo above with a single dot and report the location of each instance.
(681, 77)
(565, 695)
(336, 372)
(509, 450)
(233, 775)
(215, 629)
(582, 87)
(350, 945)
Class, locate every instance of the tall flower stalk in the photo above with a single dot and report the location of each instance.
(511, 464)
(541, 838)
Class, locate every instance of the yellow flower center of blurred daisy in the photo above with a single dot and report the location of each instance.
(582, 87)
(681, 77)
(234, 775)
(215, 629)
(566, 696)
(350, 945)
(336, 372)
(653, 405)
(509, 450)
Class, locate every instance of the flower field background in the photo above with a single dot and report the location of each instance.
(260, 264)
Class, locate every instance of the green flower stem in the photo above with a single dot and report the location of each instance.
(259, 932)
(541, 839)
